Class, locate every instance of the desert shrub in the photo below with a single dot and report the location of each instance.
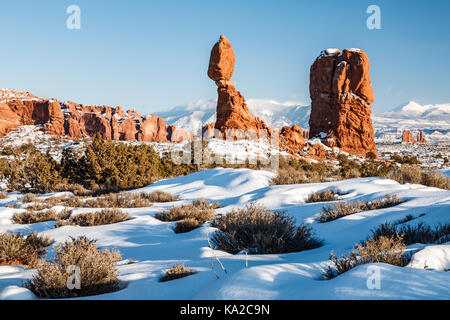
(76, 188)
(407, 218)
(106, 216)
(118, 166)
(32, 171)
(388, 250)
(436, 179)
(98, 273)
(260, 231)
(323, 196)
(345, 208)
(187, 225)
(201, 210)
(36, 206)
(177, 272)
(161, 196)
(414, 174)
(30, 216)
(17, 249)
(418, 233)
(103, 166)
(371, 155)
(295, 176)
(405, 159)
(406, 174)
(374, 169)
(119, 200)
(76, 202)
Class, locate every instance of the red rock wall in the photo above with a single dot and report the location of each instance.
(341, 94)
(76, 121)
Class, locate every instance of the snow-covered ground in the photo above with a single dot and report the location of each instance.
(156, 247)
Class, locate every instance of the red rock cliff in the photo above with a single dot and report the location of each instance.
(76, 121)
(341, 94)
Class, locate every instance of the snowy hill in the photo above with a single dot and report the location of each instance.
(155, 246)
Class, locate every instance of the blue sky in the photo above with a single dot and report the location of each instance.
(153, 55)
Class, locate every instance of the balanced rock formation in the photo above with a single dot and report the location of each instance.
(342, 94)
(77, 121)
(407, 137)
(232, 115)
(421, 137)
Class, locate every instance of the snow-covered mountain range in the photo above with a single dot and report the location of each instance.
(274, 113)
(434, 120)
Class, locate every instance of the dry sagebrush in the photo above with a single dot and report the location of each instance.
(323, 196)
(418, 233)
(388, 250)
(416, 175)
(260, 231)
(177, 272)
(345, 208)
(103, 217)
(97, 270)
(189, 216)
(17, 249)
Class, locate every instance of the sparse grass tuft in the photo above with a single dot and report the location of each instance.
(345, 208)
(177, 272)
(17, 249)
(260, 231)
(97, 271)
(106, 216)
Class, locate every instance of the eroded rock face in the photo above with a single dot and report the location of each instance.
(293, 138)
(221, 61)
(341, 94)
(407, 137)
(421, 137)
(77, 121)
(232, 116)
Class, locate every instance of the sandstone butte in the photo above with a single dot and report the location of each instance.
(233, 117)
(407, 137)
(421, 137)
(77, 121)
(341, 95)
